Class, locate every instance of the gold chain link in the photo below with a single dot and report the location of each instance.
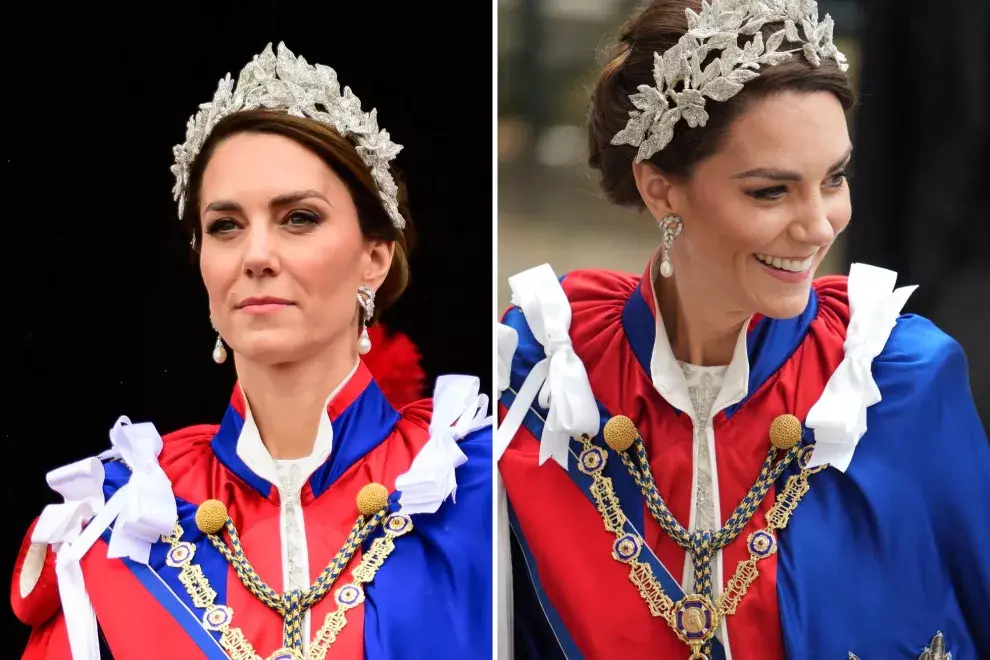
(627, 547)
(219, 617)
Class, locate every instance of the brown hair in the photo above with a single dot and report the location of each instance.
(341, 156)
(655, 28)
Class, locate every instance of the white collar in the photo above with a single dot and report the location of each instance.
(255, 455)
(668, 377)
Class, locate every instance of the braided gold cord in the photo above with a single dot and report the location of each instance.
(293, 604)
(350, 595)
(777, 518)
(627, 546)
(703, 544)
(698, 632)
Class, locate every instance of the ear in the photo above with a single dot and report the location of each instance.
(379, 253)
(655, 189)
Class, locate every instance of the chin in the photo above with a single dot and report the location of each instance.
(271, 347)
(784, 307)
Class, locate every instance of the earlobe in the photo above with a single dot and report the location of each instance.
(654, 188)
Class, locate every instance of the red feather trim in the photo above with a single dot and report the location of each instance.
(394, 362)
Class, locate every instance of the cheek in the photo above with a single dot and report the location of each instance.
(742, 231)
(328, 269)
(219, 271)
(840, 212)
(727, 224)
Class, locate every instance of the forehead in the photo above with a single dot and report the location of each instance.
(791, 130)
(260, 165)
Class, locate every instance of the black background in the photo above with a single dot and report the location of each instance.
(105, 311)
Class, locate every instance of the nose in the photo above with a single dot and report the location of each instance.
(812, 226)
(260, 253)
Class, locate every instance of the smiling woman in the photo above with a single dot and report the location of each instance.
(313, 519)
(746, 458)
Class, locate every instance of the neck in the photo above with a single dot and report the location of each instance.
(700, 330)
(287, 400)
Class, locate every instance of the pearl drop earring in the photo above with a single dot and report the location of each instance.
(366, 300)
(219, 352)
(671, 226)
(364, 343)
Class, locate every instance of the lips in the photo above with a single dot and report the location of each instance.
(262, 301)
(791, 265)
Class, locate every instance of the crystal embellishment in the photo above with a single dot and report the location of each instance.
(289, 83)
(682, 86)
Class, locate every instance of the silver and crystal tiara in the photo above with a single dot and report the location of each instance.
(682, 86)
(289, 83)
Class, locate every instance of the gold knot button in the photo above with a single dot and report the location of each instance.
(211, 516)
(371, 499)
(620, 433)
(785, 432)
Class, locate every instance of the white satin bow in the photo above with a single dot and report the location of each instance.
(81, 486)
(144, 507)
(559, 382)
(458, 409)
(839, 416)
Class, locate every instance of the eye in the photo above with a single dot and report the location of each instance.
(837, 179)
(768, 194)
(221, 226)
(301, 218)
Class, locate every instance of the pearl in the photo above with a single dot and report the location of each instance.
(666, 269)
(219, 352)
(364, 343)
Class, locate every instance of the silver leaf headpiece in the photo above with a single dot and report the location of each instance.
(682, 86)
(289, 83)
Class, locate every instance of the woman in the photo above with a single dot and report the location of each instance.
(316, 519)
(747, 462)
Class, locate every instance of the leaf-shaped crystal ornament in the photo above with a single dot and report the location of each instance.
(288, 83)
(682, 86)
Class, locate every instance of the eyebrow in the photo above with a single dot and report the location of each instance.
(786, 175)
(280, 200)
